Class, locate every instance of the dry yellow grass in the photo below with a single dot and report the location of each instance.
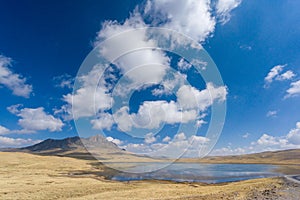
(27, 176)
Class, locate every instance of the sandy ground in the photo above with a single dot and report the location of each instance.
(27, 176)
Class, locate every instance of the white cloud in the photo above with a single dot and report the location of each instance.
(276, 74)
(179, 145)
(179, 137)
(13, 81)
(266, 142)
(104, 121)
(288, 75)
(271, 113)
(6, 142)
(91, 97)
(168, 84)
(294, 135)
(123, 119)
(152, 114)
(228, 151)
(150, 138)
(198, 139)
(200, 122)
(192, 17)
(4, 130)
(224, 7)
(199, 64)
(64, 81)
(294, 89)
(166, 139)
(289, 141)
(114, 140)
(138, 59)
(189, 97)
(35, 119)
(183, 65)
(14, 109)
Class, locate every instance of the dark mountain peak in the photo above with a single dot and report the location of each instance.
(73, 143)
(50, 144)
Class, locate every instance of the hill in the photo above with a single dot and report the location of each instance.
(98, 148)
(283, 157)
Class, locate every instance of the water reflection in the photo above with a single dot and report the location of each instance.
(194, 172)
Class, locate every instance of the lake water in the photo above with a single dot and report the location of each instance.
(195, 172)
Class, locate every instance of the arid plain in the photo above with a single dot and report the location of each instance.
(29, 176)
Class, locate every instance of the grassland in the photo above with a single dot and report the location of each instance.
(28, 176)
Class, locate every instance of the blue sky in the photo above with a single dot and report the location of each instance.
(43, 44)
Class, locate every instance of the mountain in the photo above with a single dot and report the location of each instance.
(95, 147)
(72, 145)
(51, 144)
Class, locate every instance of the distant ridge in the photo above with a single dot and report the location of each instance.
(105, 150)
(281, 157)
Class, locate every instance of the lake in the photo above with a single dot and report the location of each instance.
(198, 172)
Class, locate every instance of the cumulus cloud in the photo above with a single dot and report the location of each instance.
(35, 119)
(11, 80)
(192, 17)
(166, 139)
(139, 63)
(152, 114)
(91, 97)
(189, 97)
(224, 7)
(134, 50)
(150, 138)
(6, 142)
(294, 135)
(4, 130)
(183, 65)
(289, 141)
(114, 140)
(179, 145)
(179, 137)
(294, 89)
(168, 84)
(266, 142)
(228, 151)
(104, 121)
(286, 75)
(276, 73)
